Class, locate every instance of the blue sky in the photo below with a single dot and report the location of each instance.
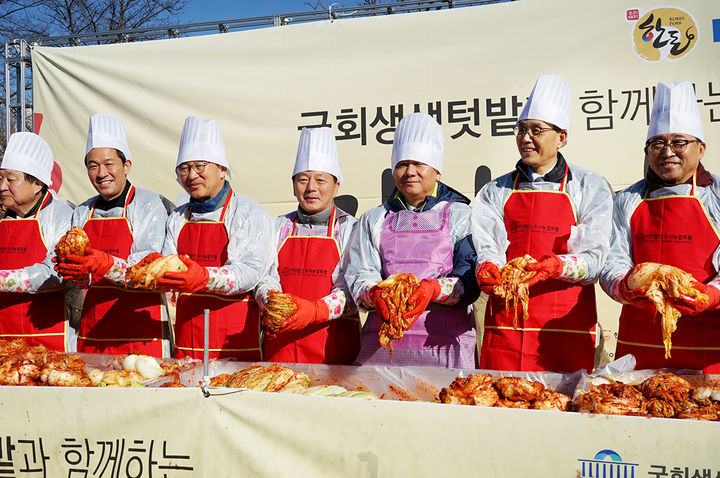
(211, 10)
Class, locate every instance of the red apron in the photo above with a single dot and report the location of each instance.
(306, 264)
(234, 319)
(559, 334)
(37, 318)
(672, 230)
(116, 320)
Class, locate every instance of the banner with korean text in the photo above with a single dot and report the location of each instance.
(177, 433)
(471, 68)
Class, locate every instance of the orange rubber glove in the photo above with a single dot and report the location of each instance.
(689, 306)
(548, 267)
(192, 280)
(488, 276)
(426, 292)
(94, 261)
(308, 312)
(380, 306)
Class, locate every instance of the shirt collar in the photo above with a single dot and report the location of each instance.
(119, 201)
(211, 204)
(555, 175)
(321, 218)
(419, 207)
(654, 182)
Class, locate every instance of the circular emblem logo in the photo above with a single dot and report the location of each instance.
(663, 34)
(513, 227)
(285, 271)
(639, 238)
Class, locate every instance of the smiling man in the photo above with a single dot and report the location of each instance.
(424, 230)
(310, 243)
(124, 223)
(672, 216)
(224, 238)
(560, 214)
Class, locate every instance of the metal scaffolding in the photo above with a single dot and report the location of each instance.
(18, 66)
(18, 87)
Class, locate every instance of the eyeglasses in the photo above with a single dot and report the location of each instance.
(677, 145)
(184, 169)
(520, 131)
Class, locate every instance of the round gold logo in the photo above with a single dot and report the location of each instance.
(664, 34)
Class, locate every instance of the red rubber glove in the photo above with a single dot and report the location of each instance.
(426, 292)
(548, 267)
(690, 306)
(192, 280)
(70, 271)
(94, 261)
(308, 312)
(488, 276)
(380, 306)
(635, 297)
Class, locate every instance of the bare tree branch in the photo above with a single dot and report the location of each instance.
(42, 18)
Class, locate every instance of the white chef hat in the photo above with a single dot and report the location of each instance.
(675, 110)
(201, 141)
(418, 137)
(29, 153)
(107, 131)
(317, 151)
(549, 101)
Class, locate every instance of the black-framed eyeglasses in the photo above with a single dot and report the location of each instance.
(184, 169)
(521, 131)
(677, 145)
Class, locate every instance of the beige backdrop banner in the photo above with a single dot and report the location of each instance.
(177, 433)
(472, 68)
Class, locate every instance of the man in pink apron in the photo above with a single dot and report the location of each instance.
(670, 217)
(124, 223)
(32, 298)
(228, 240)
(424, 230)
(560, 214)
(310, 243)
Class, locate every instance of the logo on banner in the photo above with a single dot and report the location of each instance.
(606, 463)
(666, 33)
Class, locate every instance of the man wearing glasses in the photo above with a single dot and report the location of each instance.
(669, 217)
(227, 238)
(559, 214)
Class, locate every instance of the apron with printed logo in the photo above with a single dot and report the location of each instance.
(673, 230)
(234, 319)
(559, 334)
(39, 319)
(116, 320)
(306, 264)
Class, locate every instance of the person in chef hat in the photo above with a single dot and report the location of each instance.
(670, 217)
(310, 244)
(422, 229)
(124, 223)
(225, 240)
(558, 213)
(32, 306)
